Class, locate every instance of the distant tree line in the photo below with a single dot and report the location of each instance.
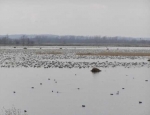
(44, 40)
(23, 41)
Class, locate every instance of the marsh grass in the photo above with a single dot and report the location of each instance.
(115, 54)
(12, 111)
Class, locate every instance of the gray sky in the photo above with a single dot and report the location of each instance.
(76, 17)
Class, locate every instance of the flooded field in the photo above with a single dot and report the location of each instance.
(58, 81)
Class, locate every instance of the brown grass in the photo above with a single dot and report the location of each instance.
(115, 54)
(44, 53)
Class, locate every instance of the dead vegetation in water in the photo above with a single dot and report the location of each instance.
(95, 70)
(115, 54)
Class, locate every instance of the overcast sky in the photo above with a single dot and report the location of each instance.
(76, 17)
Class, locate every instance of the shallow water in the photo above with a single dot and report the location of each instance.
(94, 91)
(76, 47)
